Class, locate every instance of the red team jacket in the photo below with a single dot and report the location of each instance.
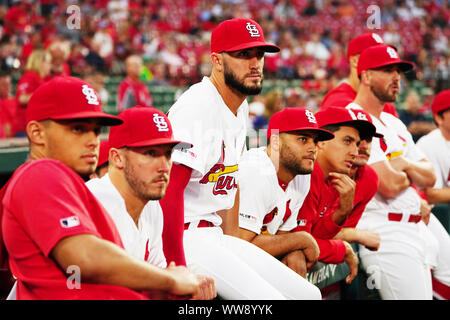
(42, 203)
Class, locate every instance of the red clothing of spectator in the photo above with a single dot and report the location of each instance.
(344, 94)
(18, 17)
(316, 217)
(131, 93)
(8, 107)
(27, 84)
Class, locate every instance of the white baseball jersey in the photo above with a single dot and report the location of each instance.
(437, 150)
(407, 250)
(264, 206)
(143, 241)
(201, 117)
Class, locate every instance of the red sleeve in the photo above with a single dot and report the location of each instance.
(331, 251)
(326, 228)
(366, 188)
(306, 213)
(173, 209)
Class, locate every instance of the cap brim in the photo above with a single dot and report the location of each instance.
(256, 44)
(404, 66)
(155, 142)
(365, 128)
(105, 119)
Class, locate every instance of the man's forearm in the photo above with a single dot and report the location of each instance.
(438, 195)
(280, 244)
(421, 173)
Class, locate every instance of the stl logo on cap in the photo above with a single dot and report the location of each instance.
(90, 95)
(160, 122)
(361, 116)
(310, 116)
(254, 32)
(377, 38)
(392, 53)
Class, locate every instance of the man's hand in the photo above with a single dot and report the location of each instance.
(425, 210)
(310, 250)
(185, 283)
(346, 188)
(296, 261)
(207, 289)
(352, 261)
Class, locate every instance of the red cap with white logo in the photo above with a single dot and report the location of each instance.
(441, 102)
(67, 98)
(362, 42)
(239, 34)
(296, 119)
(381, 56)
(142, 127)
(356, 118)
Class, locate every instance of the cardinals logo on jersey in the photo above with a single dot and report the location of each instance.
(219, 174)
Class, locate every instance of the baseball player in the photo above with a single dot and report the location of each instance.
(331, 195)
(273, 183)
(137, 178)
(345, 93)
(407, 249)
(436, 147)
(366, 180)
(52, 225)
(212, 115)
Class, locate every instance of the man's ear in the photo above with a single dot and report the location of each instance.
(274, 143)
(117, 158)
(36, 132)
(217, 61)
(354, 61)
(365, 77)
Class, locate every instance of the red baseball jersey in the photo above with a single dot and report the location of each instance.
(316, 217)
(44, 202)
(366, 187)
(131, 93)
(344, 94)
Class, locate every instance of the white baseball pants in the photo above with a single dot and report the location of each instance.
(241, 270)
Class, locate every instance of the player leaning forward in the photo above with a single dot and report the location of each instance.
(53, 226)
(212, 115)
(274, 182)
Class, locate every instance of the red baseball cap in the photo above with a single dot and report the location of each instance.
(103, 156)
(143, 126)
(381, 56)
(296, 119)
(64, 98)
(356, 118)
(441, 102)
(239, 34)
(362, 42)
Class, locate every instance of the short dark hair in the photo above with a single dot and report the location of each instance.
(331, 127)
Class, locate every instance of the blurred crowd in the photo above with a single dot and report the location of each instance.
(91, 39)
